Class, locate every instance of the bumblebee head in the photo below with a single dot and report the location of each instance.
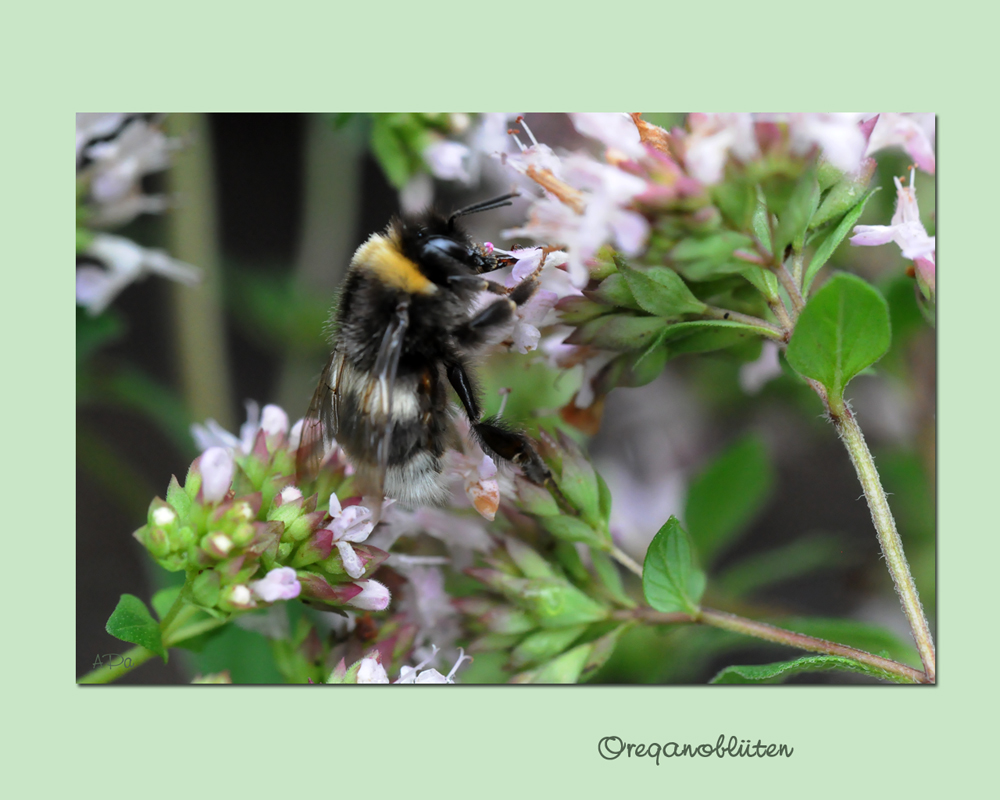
(440, 247)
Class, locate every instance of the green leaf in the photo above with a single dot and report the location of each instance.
(801, 556)
(618, 332)
(389, 151)
(794, 218)
(671, 581)
(680, 330)
(727, 495)
(543, 645)
(765, 281)
(614, 291)
(132, 622)
(566, 668)
(759, 223)
(699, 259)
(737, 200)
(832, 240)
(601, 650)
(571, 529)
(610, 577)
(843, 329)
(659, 290)
(780, 671)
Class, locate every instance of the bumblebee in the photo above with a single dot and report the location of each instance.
(405, 328)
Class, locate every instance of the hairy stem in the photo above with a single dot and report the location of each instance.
(888, 536)
(771, 331)
(789, 283)
(771, 633)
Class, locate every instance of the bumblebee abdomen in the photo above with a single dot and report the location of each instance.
(418, 425)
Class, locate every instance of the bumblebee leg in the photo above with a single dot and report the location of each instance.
(459, 379)
(493, 435)
(498, 313)
(513, 446)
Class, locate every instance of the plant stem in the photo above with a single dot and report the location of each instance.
(182, 598)
(625, 560)
(797, 260)
(130, 660)
(771, 331)
(140, 655)
(199, 316)
(888, 537)
(771, 633)
(789, 283)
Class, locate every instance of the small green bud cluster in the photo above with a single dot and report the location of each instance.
(259, 524)
(553, 630)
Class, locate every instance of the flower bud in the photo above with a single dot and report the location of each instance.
(316, 587)
(374, 596)
(303, 527)
(177, 497)
(161, 515)
(237, 598)
(216, 467)
(273, 421)
(281, 583)
(216, 544)
(316, 548)
(370, 670)
(155, 540)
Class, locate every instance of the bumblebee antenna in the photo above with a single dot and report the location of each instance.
(483, 205)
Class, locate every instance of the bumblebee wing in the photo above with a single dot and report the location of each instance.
(384, 378)
(321, 423)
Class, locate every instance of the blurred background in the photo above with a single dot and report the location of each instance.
(270, 209)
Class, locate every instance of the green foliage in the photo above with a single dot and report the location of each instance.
(843, 329)
(781, 671)
(278, 312)
(397, 142)
(727, 495)
(794, 218)
(671, 581)
(659, 290)
(132, 622)
(93, 333)
(797, 558)
(830, 240)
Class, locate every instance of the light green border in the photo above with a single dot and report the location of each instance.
(482, 742)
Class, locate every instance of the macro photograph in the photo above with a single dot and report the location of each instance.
(506, 398)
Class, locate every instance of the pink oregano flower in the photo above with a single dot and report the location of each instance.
(280, 583)
(905, 229)
(351, 524)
